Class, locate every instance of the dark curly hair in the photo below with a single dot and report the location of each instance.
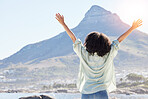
(97, 42)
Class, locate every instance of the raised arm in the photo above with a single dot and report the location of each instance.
(134, 26)
(69, 32)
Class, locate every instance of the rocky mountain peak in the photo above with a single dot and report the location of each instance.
(96, 10)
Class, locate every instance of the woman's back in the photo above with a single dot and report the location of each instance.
(96, 73)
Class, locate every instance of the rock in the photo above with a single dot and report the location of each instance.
(123, 91)
(38, 97)
(140, 90)
(46, 97)
(128, 92)
(31, 97)
(61, 91)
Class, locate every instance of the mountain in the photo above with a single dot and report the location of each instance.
(133, 50)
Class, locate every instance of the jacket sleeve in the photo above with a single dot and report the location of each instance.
(79, 48)
(114, 48)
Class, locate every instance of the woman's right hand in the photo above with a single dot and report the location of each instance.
(136, 24)
(60, 18)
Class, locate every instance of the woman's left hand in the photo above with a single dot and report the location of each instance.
(136, 24)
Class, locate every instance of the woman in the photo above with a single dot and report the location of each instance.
(96, 72)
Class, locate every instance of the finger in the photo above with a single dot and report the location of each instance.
(59, 14)
(138, 19)
(57, 18)
(140, 22)
(62, 16)
(139, 25)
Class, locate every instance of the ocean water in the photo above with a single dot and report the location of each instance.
(67, 95)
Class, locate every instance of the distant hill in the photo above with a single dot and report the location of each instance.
(133, 50)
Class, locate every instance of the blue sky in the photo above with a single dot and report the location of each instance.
(24, 22)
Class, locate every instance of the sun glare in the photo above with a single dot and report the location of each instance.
(134, 9)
